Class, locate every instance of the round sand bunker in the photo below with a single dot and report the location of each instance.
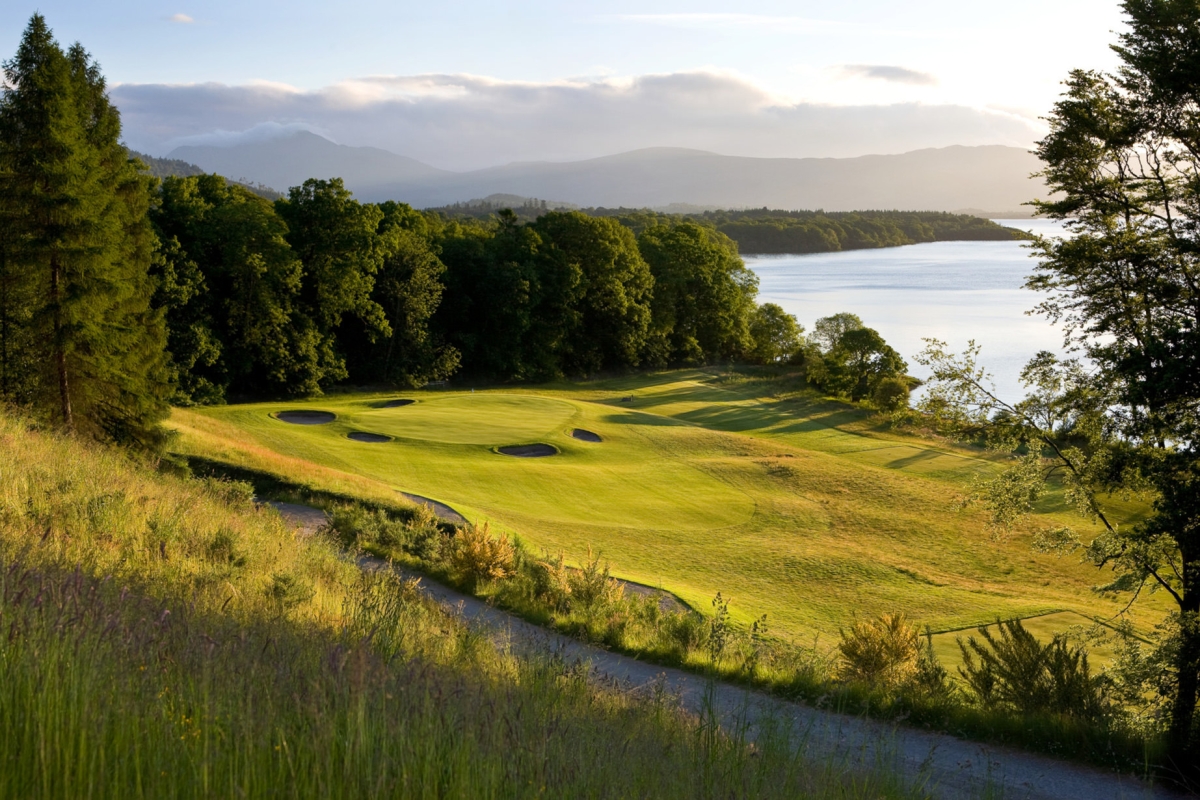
(585, 436)
(397, 403)
(369, 438)
(306, 417)
(529, 450)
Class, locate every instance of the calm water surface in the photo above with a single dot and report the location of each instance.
(953, 291)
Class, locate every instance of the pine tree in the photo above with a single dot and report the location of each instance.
(76, 206)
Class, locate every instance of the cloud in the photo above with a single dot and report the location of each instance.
(183, 19)
(471, 121)
(889, 73)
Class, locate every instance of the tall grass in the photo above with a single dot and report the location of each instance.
(160, 637)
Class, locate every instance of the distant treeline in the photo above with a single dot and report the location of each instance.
(769, 231)
(766, 231)
(174, 167)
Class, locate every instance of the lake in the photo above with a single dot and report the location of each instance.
(953, 291)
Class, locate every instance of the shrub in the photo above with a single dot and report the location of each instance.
(288, 591)
(423, 537)
(355, 525)
(475, 556)
(222, 549)
(1016, 671)
(891, 394)
(685, 632)
(591, 587)
(883, 652)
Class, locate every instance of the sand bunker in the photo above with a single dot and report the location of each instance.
(306, 417)
(370, 438)
(403, 401)
(585, 436)
(442, 510)
(528, 450)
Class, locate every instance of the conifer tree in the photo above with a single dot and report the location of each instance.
(80, 245)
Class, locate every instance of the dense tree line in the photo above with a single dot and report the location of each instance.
(765, 231)
(768, 231)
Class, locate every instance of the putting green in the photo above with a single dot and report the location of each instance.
(473, 418)
(446, 446)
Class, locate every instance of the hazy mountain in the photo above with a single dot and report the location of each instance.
(291, 160)
(941, 179)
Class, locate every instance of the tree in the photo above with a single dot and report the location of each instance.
(828, 331)
(703, 294)
(230, 286)
(614, 302)
(1124, 153)
(776, 334)
(336, 239)
(860, 361)
(408, 288)
(1123, 157)
(76, 208)
(17, 298)
(492, 290)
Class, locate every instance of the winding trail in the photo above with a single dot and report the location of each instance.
(945, 766)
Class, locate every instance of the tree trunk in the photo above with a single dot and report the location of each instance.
(1183, 736)
(60, 352)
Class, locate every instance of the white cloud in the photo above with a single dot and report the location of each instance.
(470, 121)
(890, 73)
(183, 19)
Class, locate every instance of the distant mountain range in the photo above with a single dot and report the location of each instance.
(943, 179)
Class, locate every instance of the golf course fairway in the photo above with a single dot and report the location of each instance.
(805, 509)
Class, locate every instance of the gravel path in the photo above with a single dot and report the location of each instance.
(947, 767)
(441, 510)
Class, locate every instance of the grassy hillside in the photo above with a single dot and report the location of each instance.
(802, 509)
(165, 637)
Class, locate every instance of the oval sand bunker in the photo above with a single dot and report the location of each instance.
(585, 436)
(528, 450)
(306, 417)
(403, 401)
(370, 438)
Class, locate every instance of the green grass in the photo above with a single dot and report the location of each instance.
(798, 507)
(163, 637)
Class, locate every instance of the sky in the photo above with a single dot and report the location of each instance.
(464, 84)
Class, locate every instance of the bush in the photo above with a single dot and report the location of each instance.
(685, 632)
(419, 536)
(475, 556)
(1016, 671)
(882, 652)
(288, 591)
(892, 394)
(591, 587)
